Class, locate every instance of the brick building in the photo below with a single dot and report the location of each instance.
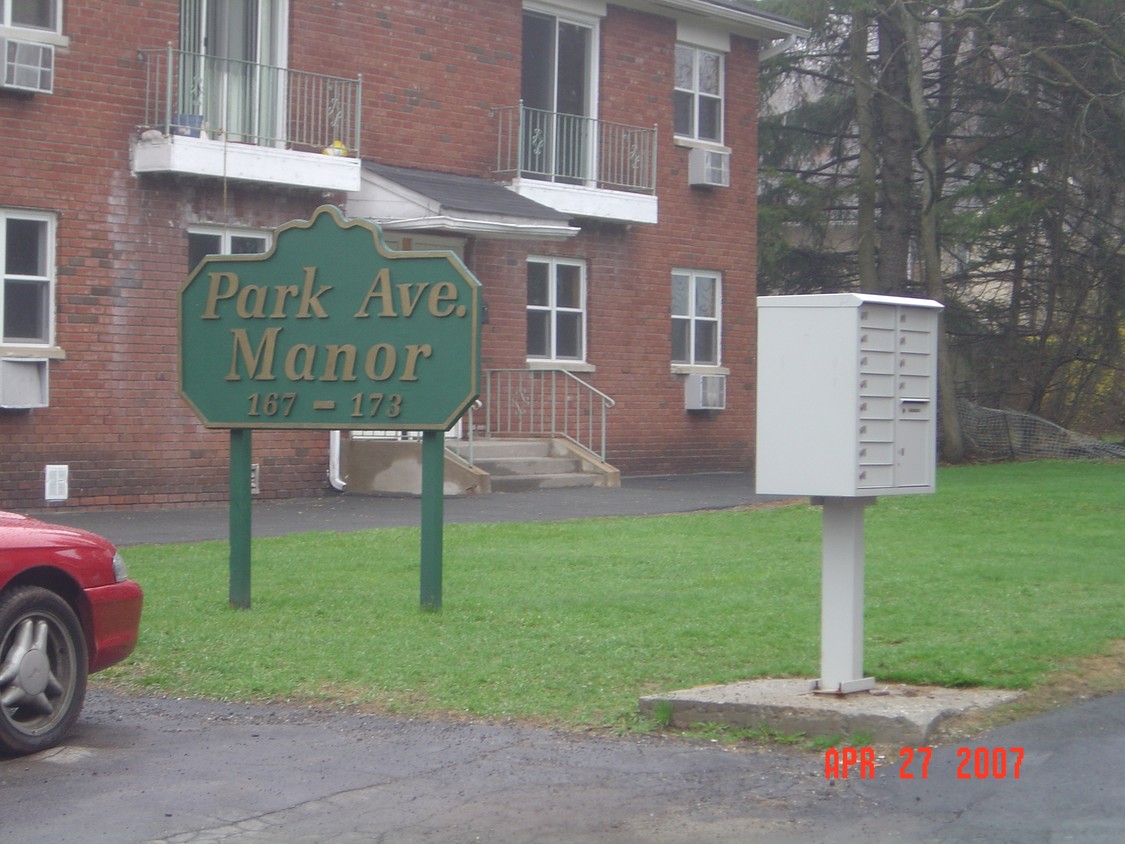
(593, 162)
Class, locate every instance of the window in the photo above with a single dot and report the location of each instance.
(556, 309)
(558, 96)
(699, 94)
(32, 14)
(202, 242)
(233, 54)
(27, 296)
(696, 298)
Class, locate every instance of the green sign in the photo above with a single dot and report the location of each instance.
(330, 329)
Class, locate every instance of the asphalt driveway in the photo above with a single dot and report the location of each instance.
(149, 769)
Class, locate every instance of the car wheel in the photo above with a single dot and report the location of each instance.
(43, 665)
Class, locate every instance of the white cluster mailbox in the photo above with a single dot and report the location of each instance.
(847, 394)
(847, 411)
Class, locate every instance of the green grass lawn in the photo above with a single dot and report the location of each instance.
(1006, 574)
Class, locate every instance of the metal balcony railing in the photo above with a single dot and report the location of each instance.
(577, 150)
(243, 102)
(541, 403)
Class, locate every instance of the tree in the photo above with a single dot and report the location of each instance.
(973, 154)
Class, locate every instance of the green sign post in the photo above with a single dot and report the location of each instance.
(331, 330)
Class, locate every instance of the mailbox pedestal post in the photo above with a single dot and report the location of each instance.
(841, 608)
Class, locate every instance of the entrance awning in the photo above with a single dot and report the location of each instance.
(405, 199)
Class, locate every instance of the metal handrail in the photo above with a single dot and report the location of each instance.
(573, 149)
(543, 402)
(199, 95)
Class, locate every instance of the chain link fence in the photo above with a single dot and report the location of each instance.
(1009, 434)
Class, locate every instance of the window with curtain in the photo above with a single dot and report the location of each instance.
(556, 90)
(696, 317)
(231, 73)
(698, 96)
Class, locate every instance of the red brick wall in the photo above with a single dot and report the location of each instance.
(432, 71)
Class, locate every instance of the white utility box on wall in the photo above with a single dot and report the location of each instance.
(847, 395)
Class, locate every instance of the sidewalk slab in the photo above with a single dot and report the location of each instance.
(890, 714)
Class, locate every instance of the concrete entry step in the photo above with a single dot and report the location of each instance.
(525, 483)
(503, 448)
(500, 466)
(520, 465)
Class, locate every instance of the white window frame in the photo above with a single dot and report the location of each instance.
(36, 348)
(696, 95)
(21, 32)
(25, 29)
(225, 235)
(553, 310)
(693, 319)
(585, 15)
(588, 18)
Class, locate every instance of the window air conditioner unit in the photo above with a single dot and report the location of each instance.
(705, 392)
(709, 168)
(27, 66)
(23, 383)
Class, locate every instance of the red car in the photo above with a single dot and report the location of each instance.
(67, 608)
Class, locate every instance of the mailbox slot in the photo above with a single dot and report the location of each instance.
(876, 385)
(877, 362)
(877, 339)
(915, 386)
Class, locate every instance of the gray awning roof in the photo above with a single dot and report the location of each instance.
(406, 199)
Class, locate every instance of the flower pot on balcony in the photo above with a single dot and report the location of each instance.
(188, 125)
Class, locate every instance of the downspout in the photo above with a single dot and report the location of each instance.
(334, 476)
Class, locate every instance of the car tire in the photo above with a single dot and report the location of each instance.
(43, 668)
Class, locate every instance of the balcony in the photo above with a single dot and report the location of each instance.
(580, 166)
(224, 118)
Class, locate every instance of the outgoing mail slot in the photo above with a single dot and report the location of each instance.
(914, 408)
